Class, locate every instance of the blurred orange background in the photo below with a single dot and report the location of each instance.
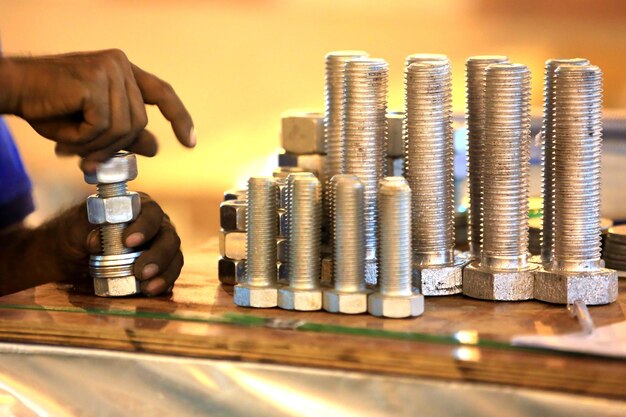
(239, 64)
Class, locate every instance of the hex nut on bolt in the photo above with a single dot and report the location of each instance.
(113, 210)
(120, 168)
(116, 287)
(233, 215)
(231, 271)
(303, 132)
(233, 244)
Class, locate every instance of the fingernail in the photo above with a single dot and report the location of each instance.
(134, 239)
(156, 286)
(149, 271)
(193, 138)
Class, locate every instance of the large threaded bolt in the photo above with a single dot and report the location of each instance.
(349, 295)
(575, 271)
(503, 271)
(547, 134)
(396, 297)
(303, 292)
(429, 169)
(475, 121)
(365, 130)
(260, 289)
(289, 202)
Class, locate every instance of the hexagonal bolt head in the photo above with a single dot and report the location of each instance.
(257, 297)
(313, 163)
(120, 168)
(299, 300)
(233, 244)
(281, 249)
(116, 287)
(439, 280)
(345, 302)
(303, 132)
(395, 142)
(231, 271)
(236, 194)
(593, 288)
(498, 285)
(113, 210)
(233, 215)
(380, 305)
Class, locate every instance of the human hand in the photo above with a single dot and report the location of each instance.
(92, 104)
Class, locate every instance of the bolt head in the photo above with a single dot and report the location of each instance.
(231, 271)
(498, 285)
(257, 297)
(113, 210)
(345, 302)
(439, 280)
(116, 287)
(120, 168)
(592, 287)
(303, 133)
(233, 244)
(395, 307)
(299, 300)
(233, 215)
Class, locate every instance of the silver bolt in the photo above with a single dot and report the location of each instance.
(396, 297)
(260, 289)
(475, 121)
(429, 169)
(365, 130)
(503, 271)
(575, 271)
(349, 294)
(547, 134)
(303, 292)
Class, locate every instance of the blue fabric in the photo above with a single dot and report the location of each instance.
(15, 188)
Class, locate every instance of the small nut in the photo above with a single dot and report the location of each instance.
(345, 302)
(233, 215)
(116, 287)
(231, 271)
(313, 163)
(593, 287)
(498, 285)
(395, 307)
(259, 297)
(233, 244)
(439, 280)
(299, 300)
(120, 168)
(236, 194)
(395, 167)
(303, 132)
(395, 142)
(113, 210)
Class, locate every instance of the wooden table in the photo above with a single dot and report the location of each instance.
(200, 320)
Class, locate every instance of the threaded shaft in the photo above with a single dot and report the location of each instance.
(365, 135)
(349, 237)
(289, 200)
(577, 146)
(475, 121)
(304, 251)
(547, 134)
(506, 173)
(262, 232)
(111, 235)
(429, 161)
(395, 237)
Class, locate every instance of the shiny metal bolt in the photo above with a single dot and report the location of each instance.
(349, 294)
(396, 297)
(260, 289)
(575, 271)
(475, 121)
(303, 292)
(365, 130)
(547, 134)
(503, 271)
(429, 170)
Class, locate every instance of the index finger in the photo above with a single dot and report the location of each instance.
(156, 91)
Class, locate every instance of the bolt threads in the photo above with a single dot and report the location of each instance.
(429, 160)
(475, 122)
(505, 176)
(262, 232)
(305, 218)
(547, 134)
(365, 130)
(111, 235)
(577, 146)
(111, 190)
(289, 202)
(349, 234)
(395, 252)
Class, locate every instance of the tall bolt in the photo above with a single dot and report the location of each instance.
(547, 134)
(303, 292)
(575, 270)
(349, 294)
(365, 130)
(503, 271)
(260, 289)
(475, 121)
(429, 169)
